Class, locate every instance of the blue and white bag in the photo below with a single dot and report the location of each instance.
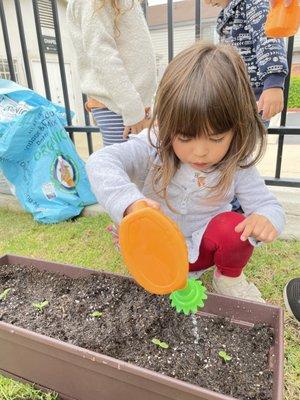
(38, 158)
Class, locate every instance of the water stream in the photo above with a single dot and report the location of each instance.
(195, 328)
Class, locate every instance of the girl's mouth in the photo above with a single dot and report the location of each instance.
(200, 165)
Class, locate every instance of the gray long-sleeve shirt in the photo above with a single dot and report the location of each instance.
(121, 174)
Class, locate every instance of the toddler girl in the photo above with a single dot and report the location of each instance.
(205, 138)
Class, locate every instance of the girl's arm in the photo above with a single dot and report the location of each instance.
(117, 172)
(271, 59)
(270, 52)
(255, 198)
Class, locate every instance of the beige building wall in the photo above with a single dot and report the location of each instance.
(184, 36)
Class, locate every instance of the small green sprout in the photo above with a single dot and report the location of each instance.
(226, 357)
(4, 294)
(96, 314)
(40, 306)
(157, 342)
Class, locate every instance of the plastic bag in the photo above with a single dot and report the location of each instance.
(38, 158)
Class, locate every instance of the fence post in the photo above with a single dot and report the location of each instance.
(197, 19)
(62, 65)
(41, 48)
(23, 43)
(284, 111)
(7, 43)
(170, 30)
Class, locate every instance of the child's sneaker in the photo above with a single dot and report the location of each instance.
(236, 287)
(198, 274)
(291, 295)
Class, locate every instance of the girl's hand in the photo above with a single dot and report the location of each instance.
(92, 103)
(137, 128)
(150, 203)
(258, 227)
(270, 102)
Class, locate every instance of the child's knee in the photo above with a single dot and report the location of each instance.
(227, 221)
(222, 226)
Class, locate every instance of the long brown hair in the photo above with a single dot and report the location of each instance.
(206, 89)
(117, 8)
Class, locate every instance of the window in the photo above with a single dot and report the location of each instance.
(4, 69)
(208, 33)
(160, 66)
(45, 13)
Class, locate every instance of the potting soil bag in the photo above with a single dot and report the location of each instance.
(38, 158)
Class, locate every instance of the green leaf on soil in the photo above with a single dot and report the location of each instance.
(226, 357)
(157, 342)
(96, 314)
(40, 306)
(4, 294)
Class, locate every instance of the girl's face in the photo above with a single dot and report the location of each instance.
(218, 3)
(204, 151)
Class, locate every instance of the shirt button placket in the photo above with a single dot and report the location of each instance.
(184, 203)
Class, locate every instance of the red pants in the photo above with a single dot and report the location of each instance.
(222, 246)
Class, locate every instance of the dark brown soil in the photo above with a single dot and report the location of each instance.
(130, 319)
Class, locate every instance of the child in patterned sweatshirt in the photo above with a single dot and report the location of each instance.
(116, 63)
(200, 152)
(241, 24)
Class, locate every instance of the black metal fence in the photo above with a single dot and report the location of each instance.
(281, 131)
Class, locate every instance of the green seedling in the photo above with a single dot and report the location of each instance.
(157, 342)
(96, 314)
(225, 357)
(40, 306)
(4, 294)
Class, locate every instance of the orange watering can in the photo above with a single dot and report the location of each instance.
(283, 21)
(155, 253)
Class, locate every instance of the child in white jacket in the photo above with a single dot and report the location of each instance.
(116, 63)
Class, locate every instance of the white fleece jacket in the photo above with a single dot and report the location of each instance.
(116, 68)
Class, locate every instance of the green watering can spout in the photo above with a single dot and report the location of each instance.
(190, 298)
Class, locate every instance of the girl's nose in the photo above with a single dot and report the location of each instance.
(200, 150)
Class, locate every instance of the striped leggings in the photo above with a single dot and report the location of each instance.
(110, 124)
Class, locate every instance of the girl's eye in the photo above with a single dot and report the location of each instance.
(217, 140)
(183, 138)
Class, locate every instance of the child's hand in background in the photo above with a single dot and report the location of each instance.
(258, 227)
(137, 128)
(150, 203)
(270, 103)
